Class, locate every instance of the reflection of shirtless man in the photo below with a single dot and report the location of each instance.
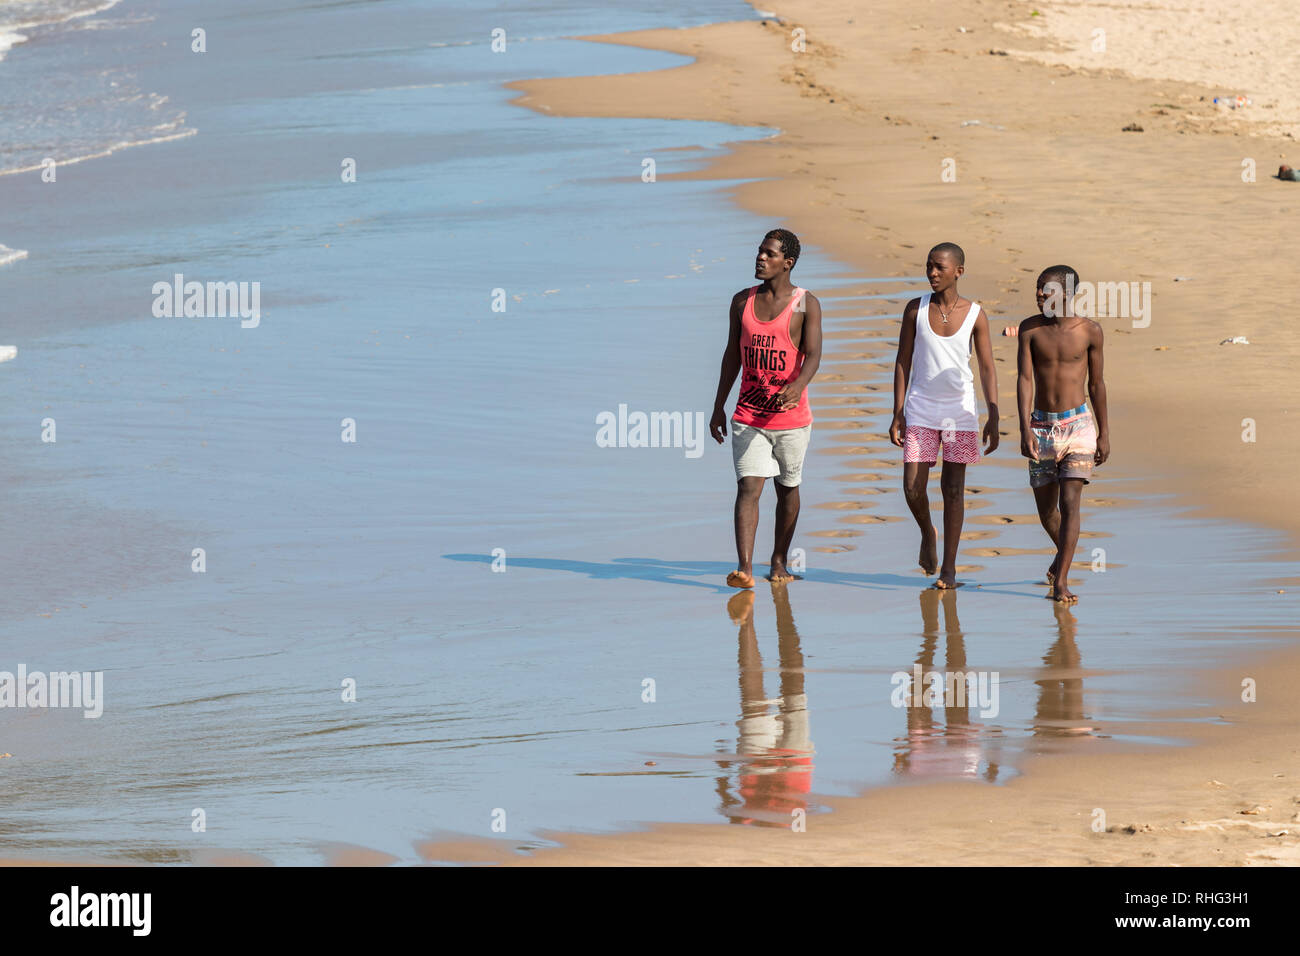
(1060, 354)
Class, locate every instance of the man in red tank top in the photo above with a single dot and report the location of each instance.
(776, 341)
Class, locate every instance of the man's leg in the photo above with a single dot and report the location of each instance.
(748, 490)
(915, 488)
(920, 451)
(789, 448)
(787, 514)
(1045, 497)
(916, 479)
(952, 480)
(1070, 500)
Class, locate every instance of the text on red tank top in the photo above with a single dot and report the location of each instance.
(769, 361)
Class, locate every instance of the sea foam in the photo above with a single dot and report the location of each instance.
(8, 255)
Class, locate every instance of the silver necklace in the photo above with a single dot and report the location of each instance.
(950, 311)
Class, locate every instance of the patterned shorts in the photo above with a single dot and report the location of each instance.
(921, 444)
(1066, 443)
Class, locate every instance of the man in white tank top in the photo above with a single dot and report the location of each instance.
(934, 402)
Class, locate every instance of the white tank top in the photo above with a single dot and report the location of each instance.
(941, 389)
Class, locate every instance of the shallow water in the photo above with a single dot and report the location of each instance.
(371, 561)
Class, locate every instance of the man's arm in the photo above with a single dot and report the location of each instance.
(988, 380)
(1097, 391)
(810, 344)
(727, 374)
(903, 369)
(1025, 388)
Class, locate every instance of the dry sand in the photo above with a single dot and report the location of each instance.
(870, 112)
(1245, 49)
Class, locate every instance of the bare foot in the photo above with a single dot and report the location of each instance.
(947, 580)
(779, 574)
(741, 607)
(740, 579)
(1051, 572)
(928, 559)
(1061, 594)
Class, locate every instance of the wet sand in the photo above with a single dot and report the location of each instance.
(1234, 799)
(871, 110)
(1047, 168)
(223, 690)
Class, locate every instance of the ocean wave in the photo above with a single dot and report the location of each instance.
(104, 151)
(9, 40)
(16, 15)
(8, 255)
(26, 14)
(67, 116)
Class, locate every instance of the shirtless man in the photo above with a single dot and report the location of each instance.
(1060, 354)
(776, 339)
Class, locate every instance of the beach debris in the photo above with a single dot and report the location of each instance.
(1236, 340)
(1232, 102)
(1011, 330)
(1161, 348)
(651, 763)
(976, 122)
(8, 352)
(1132, 828)
(964, 30)
(1280, 833)
(1182, 278)
(1253, 811)
(997, 52)
(1132, 128)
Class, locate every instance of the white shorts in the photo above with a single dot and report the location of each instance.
(770, 452)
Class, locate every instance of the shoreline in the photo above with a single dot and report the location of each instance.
(818, 164)
(879, 234)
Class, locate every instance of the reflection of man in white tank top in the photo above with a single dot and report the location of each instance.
(934, 402)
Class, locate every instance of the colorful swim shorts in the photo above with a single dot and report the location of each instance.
(1066, 446)
(921, 444)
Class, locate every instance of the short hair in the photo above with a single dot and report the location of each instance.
(1065, 275)
(789, 243)
(951, 249)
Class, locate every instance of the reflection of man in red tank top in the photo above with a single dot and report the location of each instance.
(776, 341)
(774, 777)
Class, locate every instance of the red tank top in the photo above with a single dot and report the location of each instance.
(769, 359)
